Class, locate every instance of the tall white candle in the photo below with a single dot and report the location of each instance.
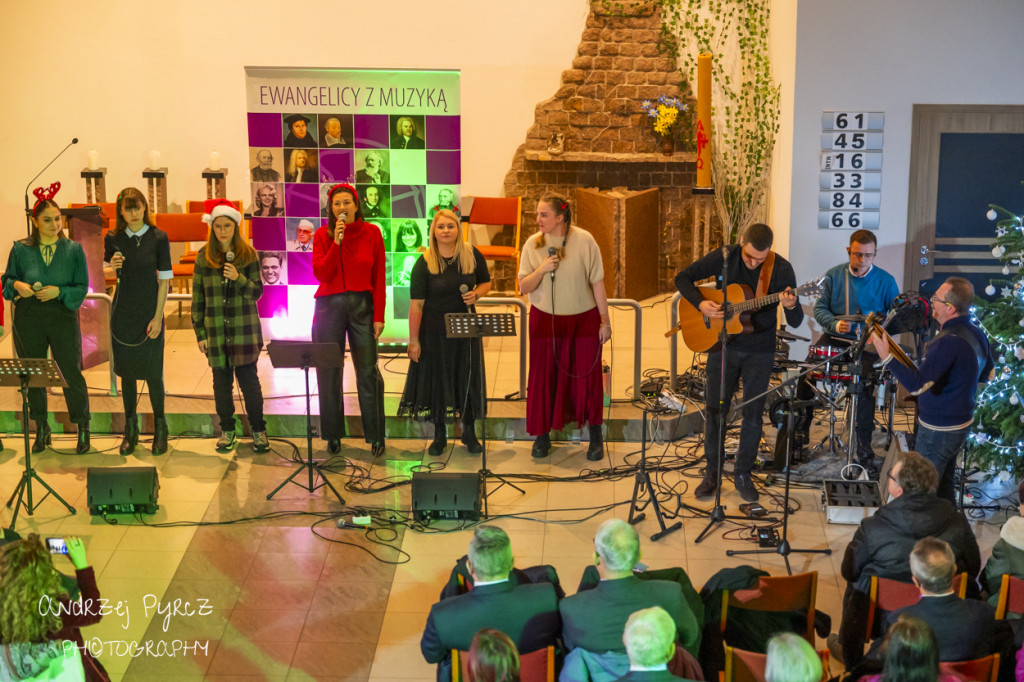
(215, 161)
(154, 160)
(94, 159)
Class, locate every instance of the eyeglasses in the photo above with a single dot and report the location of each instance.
(861, 254)
(936, 299)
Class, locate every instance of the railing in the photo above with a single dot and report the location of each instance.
(488, 300)
(638, 337)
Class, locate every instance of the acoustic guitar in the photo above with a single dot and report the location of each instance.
(700, 332)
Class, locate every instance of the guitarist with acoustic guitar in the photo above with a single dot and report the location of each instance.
(753, 265)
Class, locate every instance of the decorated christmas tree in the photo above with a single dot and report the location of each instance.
(996, 442)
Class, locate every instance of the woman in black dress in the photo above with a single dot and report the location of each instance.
(141, 254)
(445, 379)
(47, 281)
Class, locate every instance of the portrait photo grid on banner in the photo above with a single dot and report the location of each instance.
(393, 135)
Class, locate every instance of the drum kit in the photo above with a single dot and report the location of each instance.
(834, 373)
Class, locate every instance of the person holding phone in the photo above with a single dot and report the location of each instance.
(47, 280)
(225, 287)
(34, 606)
(139, 254)
(348, 261)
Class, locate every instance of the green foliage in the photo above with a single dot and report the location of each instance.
(997, 437)
(745, 118)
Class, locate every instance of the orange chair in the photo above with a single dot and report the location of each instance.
(183, 227)
(504, 211)
(747, 666)
(108, 211)
(786, 594)
(192, 206)
(536, 666)
(1011, 596)
(979, 670)
(890, 595)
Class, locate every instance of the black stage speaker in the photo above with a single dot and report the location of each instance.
(124, 490)
(445, 496)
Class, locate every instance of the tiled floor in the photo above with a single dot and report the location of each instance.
(294, 598)
(272, 590)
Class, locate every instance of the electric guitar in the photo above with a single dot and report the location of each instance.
(700, 332)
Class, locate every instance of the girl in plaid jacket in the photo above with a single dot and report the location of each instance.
(225, 287)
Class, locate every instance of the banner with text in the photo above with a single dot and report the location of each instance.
(395, 135)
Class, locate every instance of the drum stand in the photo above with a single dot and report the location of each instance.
(832, 397)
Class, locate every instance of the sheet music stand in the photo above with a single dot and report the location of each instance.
(476, 326)
(26, 373)
(292, 354)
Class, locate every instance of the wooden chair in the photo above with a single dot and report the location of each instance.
(783, 594)
(504, 211)
(747, 666)
(536, 666)
(1011, 596)
(890, 595)
(183, 227)
(979, 670)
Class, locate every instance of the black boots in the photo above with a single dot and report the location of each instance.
(83, 439)
(159, 435)
(541, 446)
(131, 435)
(43, 438)
(469, 438)
(595, 451)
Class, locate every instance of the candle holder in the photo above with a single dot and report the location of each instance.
(156, 184)
(216, 183)
(95, 185)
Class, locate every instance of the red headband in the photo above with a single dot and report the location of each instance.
(345, 186)
(44, 195)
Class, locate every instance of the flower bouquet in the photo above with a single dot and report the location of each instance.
(664, 115)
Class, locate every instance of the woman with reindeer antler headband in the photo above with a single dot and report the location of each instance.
(47, 280)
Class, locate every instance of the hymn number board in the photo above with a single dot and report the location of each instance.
(850, 178)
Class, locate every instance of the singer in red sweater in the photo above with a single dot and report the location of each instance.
(348, 260)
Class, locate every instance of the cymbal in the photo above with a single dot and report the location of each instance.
(789, 336)
(851, 318)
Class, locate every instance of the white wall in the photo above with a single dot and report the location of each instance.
(128, 77)
(887, 55)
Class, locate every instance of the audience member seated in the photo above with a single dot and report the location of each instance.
(34, 608)
(911, 654)
(528, 614)
(964, 629)
(1007, 554)
(460, 581)
(593, 621)
(791, 658)
(492, 657)
(650, 639)
(882, 545)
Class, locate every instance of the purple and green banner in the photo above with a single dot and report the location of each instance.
(395, 135)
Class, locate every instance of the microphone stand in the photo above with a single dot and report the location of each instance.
(717, 514)
(28, 211)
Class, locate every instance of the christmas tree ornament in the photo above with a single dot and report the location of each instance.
(990, 290)
(1006, 269)
(1014, 399)
(998, 251)
(1006, 292)
(991, 215)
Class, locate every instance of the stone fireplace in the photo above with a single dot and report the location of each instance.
(607, 143)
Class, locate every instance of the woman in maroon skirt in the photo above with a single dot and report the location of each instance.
(560, 268)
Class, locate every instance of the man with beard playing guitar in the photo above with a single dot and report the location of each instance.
(750, 355)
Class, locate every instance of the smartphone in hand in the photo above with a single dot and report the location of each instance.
(56, 545)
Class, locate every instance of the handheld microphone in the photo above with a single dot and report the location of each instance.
(117, 270)
(230, 258)
(464, 289)
(551, 252)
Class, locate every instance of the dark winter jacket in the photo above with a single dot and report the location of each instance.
(1007, 557)
(882, 544)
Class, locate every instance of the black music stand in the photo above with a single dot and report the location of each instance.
(643, 480)
(292, 354)
(34, 373)
(476, 326)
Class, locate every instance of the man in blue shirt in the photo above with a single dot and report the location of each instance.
(855, 288)
(947, 379)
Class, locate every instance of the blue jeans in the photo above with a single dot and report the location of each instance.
(941, 448)
(755, 370)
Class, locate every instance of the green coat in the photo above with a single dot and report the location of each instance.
(226, 315)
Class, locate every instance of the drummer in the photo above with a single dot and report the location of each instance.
(851, 291)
